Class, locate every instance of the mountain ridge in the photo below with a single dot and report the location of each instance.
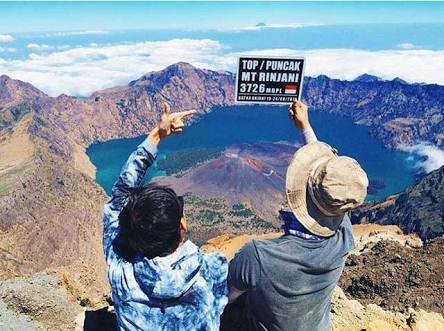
(397, 113)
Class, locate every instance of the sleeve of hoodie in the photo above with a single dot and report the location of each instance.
(218, 267)
(131, 176)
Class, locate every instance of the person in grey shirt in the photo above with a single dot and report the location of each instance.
(287, 283)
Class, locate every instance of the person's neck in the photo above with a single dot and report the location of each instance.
(182, 241)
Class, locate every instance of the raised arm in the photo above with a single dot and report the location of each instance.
(241, 274)
(133, 172)
(298, 112)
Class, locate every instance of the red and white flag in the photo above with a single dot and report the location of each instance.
(290, 89)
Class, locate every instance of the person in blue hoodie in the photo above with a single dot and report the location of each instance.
(158, 280)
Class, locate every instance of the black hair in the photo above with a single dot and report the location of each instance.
(150, 221)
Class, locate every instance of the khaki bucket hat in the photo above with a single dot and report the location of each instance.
(322, 187)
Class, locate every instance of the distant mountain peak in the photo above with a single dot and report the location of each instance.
(176, 69)
(4, 78)
(367, 78)
(322, 77)
(14, 91)
(399, 80)
(181, 65)
(179, 68)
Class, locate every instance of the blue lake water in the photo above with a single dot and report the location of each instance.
(247, 124)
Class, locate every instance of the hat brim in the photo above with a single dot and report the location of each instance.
(298, 197)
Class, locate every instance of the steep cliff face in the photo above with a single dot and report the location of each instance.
(49, 212)
(397, 113)
(420, 209)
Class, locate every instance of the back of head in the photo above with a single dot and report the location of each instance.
(150, 221)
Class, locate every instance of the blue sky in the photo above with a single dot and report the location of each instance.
(77, 48)
(50, 16)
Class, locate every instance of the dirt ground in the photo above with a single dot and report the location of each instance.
(397, 278)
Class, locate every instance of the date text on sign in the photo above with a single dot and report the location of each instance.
(269, 79)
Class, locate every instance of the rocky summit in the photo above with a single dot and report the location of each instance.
(51, 206)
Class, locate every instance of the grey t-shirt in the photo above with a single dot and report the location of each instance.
(290, 280)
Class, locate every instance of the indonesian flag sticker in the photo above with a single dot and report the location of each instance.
(290, 89)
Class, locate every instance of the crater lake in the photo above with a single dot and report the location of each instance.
(390, 171)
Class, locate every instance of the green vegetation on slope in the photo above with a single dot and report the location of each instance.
(241, 210)
(210, 217)
(179, 161)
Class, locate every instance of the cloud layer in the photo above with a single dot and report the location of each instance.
(75, 33)
(8, 49)
(45, 47)
(4, 38)
(83, 70)
(433, 156)
(262, 26)
(408, 46)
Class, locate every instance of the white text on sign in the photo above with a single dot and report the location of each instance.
(271, 65)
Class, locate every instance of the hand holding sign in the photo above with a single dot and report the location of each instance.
(299, 114)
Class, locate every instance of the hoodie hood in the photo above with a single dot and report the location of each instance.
(170, 276)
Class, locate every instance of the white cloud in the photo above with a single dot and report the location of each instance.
(263, 26)
(83, 70)
(411, 65)
(8, 49)
(4, 38)
(275, 26)
(44, 47)
(38, 46)
(407, 46)
(433, 156)
(76, 33)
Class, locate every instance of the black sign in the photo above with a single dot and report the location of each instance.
(269, 79)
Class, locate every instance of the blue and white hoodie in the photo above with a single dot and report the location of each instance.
(186, 290)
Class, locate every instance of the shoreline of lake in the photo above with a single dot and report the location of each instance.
(392, 171)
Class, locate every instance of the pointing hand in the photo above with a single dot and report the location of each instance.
(172, 122)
